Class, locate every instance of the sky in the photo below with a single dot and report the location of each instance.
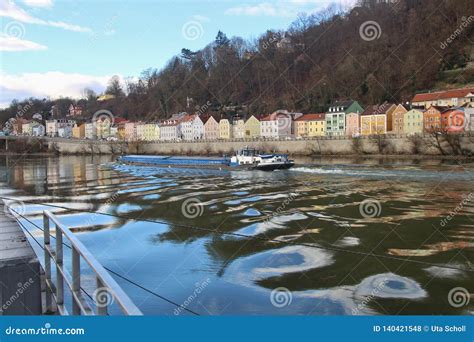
(53, 48)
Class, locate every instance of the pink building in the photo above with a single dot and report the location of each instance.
(130, 131)
(353, 124)
(211, 128)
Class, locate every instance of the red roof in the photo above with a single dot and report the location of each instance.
(266, 118)
(378, 109)
(312, 117)
(447, 94)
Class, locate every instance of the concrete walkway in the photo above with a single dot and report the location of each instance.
(20, 286)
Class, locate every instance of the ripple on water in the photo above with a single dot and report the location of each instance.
(447, 273)
(289, 259)
(252, 212)
(127, 208)
(152, 197)
(347, 241)
(390, 285)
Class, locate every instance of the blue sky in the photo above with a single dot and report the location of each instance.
(56, 48)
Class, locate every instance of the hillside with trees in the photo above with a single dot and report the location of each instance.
(318, 59)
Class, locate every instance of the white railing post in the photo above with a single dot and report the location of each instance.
(76, 280)
(47, 263)
(59, 267)
(101, 298)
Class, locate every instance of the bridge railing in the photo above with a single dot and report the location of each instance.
(107, 291)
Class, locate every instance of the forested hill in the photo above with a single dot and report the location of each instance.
(371, 53)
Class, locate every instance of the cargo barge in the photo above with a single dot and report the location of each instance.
(248, 158)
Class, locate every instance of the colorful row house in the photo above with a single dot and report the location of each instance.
(211, 128)
(170, 130)
(398, 116)
(336, 116)
(413, 122)
(432, 119)
(252, 128)
(377, 119)
(310, 125)
(453, 120)
(238, 128)
(79, 131)
(225, 129)
(445, 98)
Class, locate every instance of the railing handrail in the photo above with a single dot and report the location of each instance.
(104, 279)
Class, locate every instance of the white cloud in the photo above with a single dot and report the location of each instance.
(262, 9)
(9, 9)
(8, 43)
(201, 18)
(52, 84)
(38, 3)
(288, 8)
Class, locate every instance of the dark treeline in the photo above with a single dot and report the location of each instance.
(318, 59)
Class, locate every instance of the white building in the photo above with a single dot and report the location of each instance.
(140, 129)
(269, 127)
(114, 131)
(238, 129)
(89, 131)
(38, 130)
(170, 130)
(469, 117)
(279, 124)
(65, 132)
(187, 127)
(197, 128)
(51, 128)
(61, 128)
(26, 128)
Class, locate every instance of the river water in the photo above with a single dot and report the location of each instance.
(328, 237)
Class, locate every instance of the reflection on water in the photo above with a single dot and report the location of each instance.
(301, 229)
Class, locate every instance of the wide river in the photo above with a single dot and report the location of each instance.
(328, 237)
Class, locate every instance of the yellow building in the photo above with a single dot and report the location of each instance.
(151, 132)
(252, 127)
(121, 131)
(225, 129)
(377, 119)
(301, 128)
(79, 132)
(317, 125)
(310, 125)
(373, 124)
(413, 122)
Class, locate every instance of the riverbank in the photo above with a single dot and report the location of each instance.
(418, 146)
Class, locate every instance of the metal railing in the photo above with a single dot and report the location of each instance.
(107, 287)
